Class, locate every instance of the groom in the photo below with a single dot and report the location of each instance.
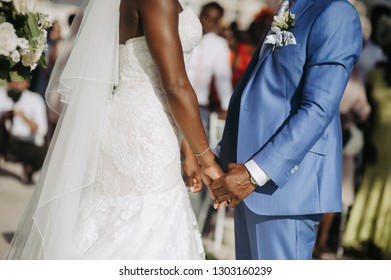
(281, 146)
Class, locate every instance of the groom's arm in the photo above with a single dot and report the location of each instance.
(334, 45)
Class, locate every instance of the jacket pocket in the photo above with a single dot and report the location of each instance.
(320, 147)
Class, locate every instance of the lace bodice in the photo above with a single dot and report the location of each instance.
(136, 63)
(138, 207)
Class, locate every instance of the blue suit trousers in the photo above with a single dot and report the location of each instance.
(260, 237)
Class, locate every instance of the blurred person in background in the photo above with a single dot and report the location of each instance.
(210, 64)
(210, 75)
(372, 53)
(247, 42)
(354, 110)
(23, 123)
(368, 231)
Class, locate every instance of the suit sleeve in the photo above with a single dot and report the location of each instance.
(334, 46)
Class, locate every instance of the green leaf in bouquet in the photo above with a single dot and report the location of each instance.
(32, 26)
(2, 18)
(42, 61)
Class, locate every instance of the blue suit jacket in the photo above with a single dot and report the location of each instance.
(284, 113)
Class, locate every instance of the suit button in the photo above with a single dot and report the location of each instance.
(292, 171)
(296, 167)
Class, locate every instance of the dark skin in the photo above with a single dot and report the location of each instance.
(158, 21)
(210, 19)
(191, 169)
(234, 186)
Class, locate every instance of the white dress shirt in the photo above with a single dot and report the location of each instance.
(34, 108)
(211, 58)
(256, 172)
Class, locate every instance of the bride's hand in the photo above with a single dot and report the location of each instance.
(211, 171)
(191, 171)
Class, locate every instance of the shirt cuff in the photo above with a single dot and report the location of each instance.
(216, 150)
(257, 173)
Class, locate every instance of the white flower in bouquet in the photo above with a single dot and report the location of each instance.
(15, 56)
(30, 58)
(43, 21)
(23, 44)
(24, 6)
(23, 39)
(8, 38)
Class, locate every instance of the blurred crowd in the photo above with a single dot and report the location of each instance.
(363, 229)
(26, 123)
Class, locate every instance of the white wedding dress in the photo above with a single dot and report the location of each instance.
(137, 205)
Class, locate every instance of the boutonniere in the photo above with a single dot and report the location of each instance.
(280, 26)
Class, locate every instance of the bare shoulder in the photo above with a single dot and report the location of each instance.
(136, 15)
(159, 6)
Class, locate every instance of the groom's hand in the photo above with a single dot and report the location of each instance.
(234, 186)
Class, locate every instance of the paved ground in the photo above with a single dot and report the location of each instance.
(14, 197)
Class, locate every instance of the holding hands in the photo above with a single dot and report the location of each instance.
(199, 168)
(234, 186)
(225, 189)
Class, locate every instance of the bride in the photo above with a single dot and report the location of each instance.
(111, 186)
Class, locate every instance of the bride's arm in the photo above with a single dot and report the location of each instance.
(160, 25)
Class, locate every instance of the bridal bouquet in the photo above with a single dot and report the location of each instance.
(23, 39)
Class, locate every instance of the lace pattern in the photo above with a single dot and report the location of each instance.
(138, 207)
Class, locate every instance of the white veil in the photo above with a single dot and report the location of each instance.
(84, 76)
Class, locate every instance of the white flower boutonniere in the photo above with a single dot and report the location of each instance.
(281, 36)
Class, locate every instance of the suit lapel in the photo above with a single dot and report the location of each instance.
(300, 7)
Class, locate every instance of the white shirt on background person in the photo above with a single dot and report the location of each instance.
(34, 108)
